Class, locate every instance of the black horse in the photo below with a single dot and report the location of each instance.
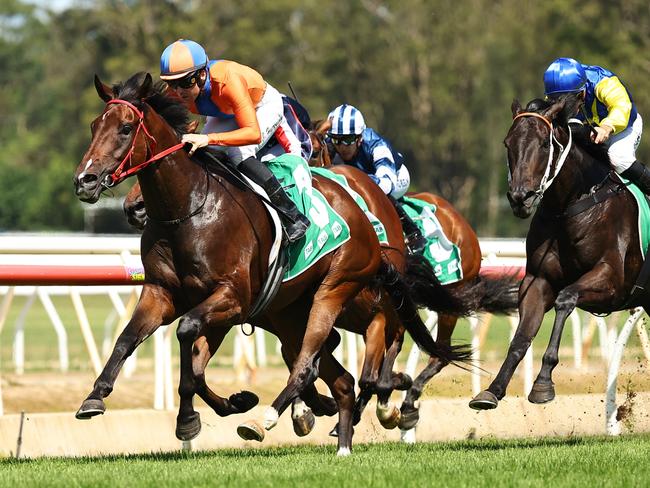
(583, 244)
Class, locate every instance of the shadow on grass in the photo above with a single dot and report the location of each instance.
(360, 449)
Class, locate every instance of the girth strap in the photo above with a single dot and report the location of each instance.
(603, 193)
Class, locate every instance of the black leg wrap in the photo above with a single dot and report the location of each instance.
(414, 238)
(638, 174)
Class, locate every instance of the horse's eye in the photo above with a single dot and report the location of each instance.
(126, 129)
(545, 144)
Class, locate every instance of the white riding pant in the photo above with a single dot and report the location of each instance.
(621, 147)
(270, 117)
(401, 183)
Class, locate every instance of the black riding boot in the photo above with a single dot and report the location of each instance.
(415, 241)
(638, 174)
(295, 224)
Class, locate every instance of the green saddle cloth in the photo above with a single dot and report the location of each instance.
(380, 230)
(644, 214)
(443, 255)
(327, 232)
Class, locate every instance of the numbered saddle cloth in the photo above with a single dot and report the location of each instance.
(327, 232)
(380, 230)
(443, 255)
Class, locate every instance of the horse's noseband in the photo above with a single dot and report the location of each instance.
(548, 178)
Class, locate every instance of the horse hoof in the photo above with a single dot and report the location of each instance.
(485, 400)
(89, 408)
(409, 418)
(250, 430)
(335, 431)
(542, 393)
(388, 415)
(244, 401)
(303, 424)
(188, 429)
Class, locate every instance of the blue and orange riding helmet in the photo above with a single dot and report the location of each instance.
(564, 75)
(181, 58)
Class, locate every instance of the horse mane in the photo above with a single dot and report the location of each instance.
(167, 106)
(581, 132)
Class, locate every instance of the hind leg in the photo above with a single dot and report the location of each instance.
(410, 411)
(387, 413)
(326, 307)
(372, 361)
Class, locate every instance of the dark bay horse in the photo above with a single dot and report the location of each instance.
(493, 295)
(583, 244)
(193, 272)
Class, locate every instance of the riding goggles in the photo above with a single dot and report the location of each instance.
(346, 140)
(186, 82)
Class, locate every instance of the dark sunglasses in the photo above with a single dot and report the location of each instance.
(347, 140)
(186, 82)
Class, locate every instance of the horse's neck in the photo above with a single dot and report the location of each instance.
(577, 177)
(172, 186)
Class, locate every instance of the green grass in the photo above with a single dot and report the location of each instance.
(564, 462)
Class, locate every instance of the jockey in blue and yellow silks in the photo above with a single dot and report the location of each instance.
(243, 113)
(609, 108)
(360, 146)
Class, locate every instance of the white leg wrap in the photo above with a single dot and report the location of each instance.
(270, 418)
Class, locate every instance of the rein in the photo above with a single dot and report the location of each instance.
(564, 152)
(120, 174)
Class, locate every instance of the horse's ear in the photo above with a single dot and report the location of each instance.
(555, 109)
(104, 91)
(323, 126)
(515, 107)
(192, 126)
(145, 88)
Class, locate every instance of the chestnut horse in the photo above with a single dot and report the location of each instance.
(583, 244)
(493, 295)
(212, 283)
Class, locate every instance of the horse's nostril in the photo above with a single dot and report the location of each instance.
(88, 178)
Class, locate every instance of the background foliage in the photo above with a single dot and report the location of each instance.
(436, 77)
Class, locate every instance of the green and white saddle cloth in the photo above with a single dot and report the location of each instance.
(644, 215)
(380, 230)
(327, 232)
(443, 254)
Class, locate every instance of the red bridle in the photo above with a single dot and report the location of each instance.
(120, 174)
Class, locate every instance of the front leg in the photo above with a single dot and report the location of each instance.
(154, 308)
(204, 348)
(535, 298)
(598, 286)
(221, 309)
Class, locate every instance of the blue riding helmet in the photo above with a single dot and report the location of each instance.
(181, 58)
(564, 75)
(346, 121)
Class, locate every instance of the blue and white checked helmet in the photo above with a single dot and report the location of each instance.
(346, 120)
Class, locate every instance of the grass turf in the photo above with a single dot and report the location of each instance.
(565, 462)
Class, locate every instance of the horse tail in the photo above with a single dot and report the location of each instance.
(401, 292)
(426, 290)
(498, 295)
